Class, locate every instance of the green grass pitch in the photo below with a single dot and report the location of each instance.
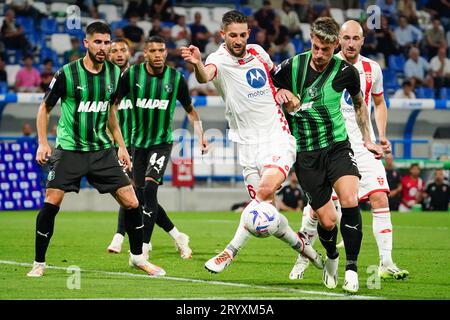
(260, 271)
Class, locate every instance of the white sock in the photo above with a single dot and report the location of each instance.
(309, 224)
(146, 247)
(382, 230)
(286, 233)
(118, 239)
(337, 205)
(242, 235)
(174, 233)
(136, 257)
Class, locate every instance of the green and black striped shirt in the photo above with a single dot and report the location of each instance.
(153, 98)
(319, 123)
(85, 101)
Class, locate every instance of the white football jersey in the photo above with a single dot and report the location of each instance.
(247, 89)
(371, 84)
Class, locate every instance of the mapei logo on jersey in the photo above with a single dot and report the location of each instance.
(125, 104)
(93, 106)
(256, 78)
(152, 104)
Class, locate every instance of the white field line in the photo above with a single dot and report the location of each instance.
(208, 282)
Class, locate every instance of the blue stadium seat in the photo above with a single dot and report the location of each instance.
(9, 205)
(298, 44)
(120, 24)
(397, 63)
(49, 53)
(3, 88)
(27, 24)
(445, 93)
(49, 26)
(390, 80)
(424, 93)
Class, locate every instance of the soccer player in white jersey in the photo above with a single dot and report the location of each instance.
(267, 150)
(373, 184)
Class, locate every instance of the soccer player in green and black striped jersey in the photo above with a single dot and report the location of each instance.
(83, 148)
(315, 81)
(154, 89)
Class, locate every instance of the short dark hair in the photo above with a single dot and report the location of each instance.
(406, 83)
(119, 40)
(98, 27)
(233, 16)
(326, 29)
(157, 39)
(47, 60)
(415, 164)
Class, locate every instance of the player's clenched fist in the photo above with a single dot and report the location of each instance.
(43, 153)
(191, 54)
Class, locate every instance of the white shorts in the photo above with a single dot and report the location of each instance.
(373, 176)
(254, 158)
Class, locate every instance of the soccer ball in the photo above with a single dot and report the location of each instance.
(263, 220)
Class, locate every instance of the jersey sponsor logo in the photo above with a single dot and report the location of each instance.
(380, 180)
(256, 78)
(347, 99)
(125, 104)
(93, 106)
(152, 104)
(81, 88)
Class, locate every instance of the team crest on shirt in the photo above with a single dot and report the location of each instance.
(51, 175)
(275, 158)
(312, 92)
(110, 88)
(368, 76)
(380, 180)
(168, 88)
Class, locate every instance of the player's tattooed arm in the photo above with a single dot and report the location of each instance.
(362, 119)
(44, 150)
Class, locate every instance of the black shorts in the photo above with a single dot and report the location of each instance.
(101, 168)
(151, 162)
(131, 153)
(317, 171)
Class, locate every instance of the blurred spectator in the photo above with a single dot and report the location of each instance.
(27, 130)
(265, 15)
(134, 33)
(13, 35)
(318, 8)
(261, 39)
(440, 68)
(89, 7)
(435, 37)
(75, 53)
(407, 35)
(163, 9)
(199, 32)
(370, 41)
(417, 69)
(199, 89)
(137, 7)
(301, 7)
(393, 178)
(439, 8)
(254, 29)
(47, 74)
(408, 8)
(290, 20)
(388, 9)
(279, 36)
(28, 78)
(25, 8)
(213, 44)
(156, 27)
(405, 92)
(387, 42)
(118, 34)
(412, 188)
(173, 56)
(181, 33)
(437, 195)
(290, 197)
(3, 74)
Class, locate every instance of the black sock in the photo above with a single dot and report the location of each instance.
(45, 223)
(328, 239)
(150, 211)
(351, 230)
(163, 221)
(121, 222)
(134, 226)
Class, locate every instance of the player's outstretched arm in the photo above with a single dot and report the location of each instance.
(202, 73)
(113, 127)
(194, 119)
(44, 150)
(381, 121)
(362, 119)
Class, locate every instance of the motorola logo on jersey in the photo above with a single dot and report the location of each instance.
(256, 78)
(347, 98)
